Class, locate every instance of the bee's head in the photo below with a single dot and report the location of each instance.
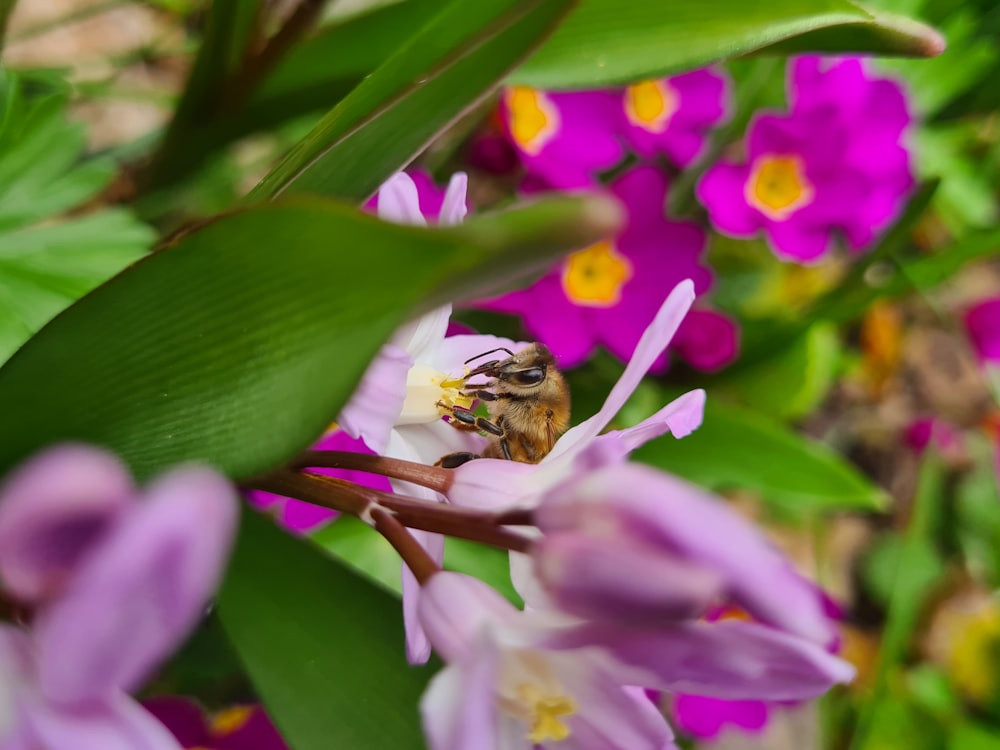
(526, 370)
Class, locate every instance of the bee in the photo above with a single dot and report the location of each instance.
(528, 402)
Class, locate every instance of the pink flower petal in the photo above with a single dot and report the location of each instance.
(140, 594)
(399, 202)
(53, 510)
(982, 321)
(680, 417)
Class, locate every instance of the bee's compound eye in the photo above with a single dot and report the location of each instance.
(530, 376)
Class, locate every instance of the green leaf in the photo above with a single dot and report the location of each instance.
(917, 567)
(323, 647)
(739, 448)
(360, 547)
(794, 381)
(240, 343)
(321, 70)
(611, 42)
(230, 26)
(458, 58)
(47, 262)
(488, 564)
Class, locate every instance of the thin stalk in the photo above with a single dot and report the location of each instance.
(415, 556)
(433, 477)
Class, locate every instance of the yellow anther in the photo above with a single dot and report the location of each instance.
(777, 186)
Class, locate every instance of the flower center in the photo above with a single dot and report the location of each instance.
(777, 186)
(231, 720)
(594, 277)
(650, 105)
(428, 392)
(545, 711)
(533, 118)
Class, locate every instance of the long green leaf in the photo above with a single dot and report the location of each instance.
(451, 64)
(240, 343)
(611, 42)
(323, 647)
(737, 448)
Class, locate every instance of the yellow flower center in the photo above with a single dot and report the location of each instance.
(777, 186)
(545, 712)
(594, 277)
(533, 118)
(650, 105)
(231, 720)
(428, 394)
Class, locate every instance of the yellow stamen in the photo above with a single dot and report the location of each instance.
(545, 711)
(533, 118)
(594, 277)
(777, 186)
(231, 720)
(650, 105)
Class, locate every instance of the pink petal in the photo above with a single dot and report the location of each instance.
(707, 340)
(721, 192)
(139, 595)
(399, 202)
(454, 608)
(118, 723)
(453, 208)
(982, 321)
(655, 339)
(729, 659)
(459, 707)
(680, 417)
(378, 398)
(53, 510)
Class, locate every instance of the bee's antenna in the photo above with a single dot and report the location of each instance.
(479, 356)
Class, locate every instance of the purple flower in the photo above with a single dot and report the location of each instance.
(564, 139)
(674, 115)
(496, 484)
(136, 581)
(603, 530)
(523, 679)
(606, 294)
(982, 321)
(235, 728)
(503, 688)
(835, 163)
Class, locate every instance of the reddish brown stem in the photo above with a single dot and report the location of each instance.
(433, 477)
(339, 494)
(415, 556)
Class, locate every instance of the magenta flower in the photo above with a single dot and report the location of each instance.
(496, 484)
(673, 116)
(236, 728)
(836, 163)
(608, 293)
(705, 718)
(564, 139)
(982, 321)
(117, 582)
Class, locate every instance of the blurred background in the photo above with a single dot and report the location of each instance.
(853, 395)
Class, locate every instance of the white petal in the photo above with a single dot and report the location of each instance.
(399, 202)
(453, 207)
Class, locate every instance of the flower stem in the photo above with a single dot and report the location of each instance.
(415, 556)
(347, 497)
(433, 477)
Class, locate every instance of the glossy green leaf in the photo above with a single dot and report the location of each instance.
(323, 647)
(458, 58)
(737, 448)
(240, 343)
(610, 42)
